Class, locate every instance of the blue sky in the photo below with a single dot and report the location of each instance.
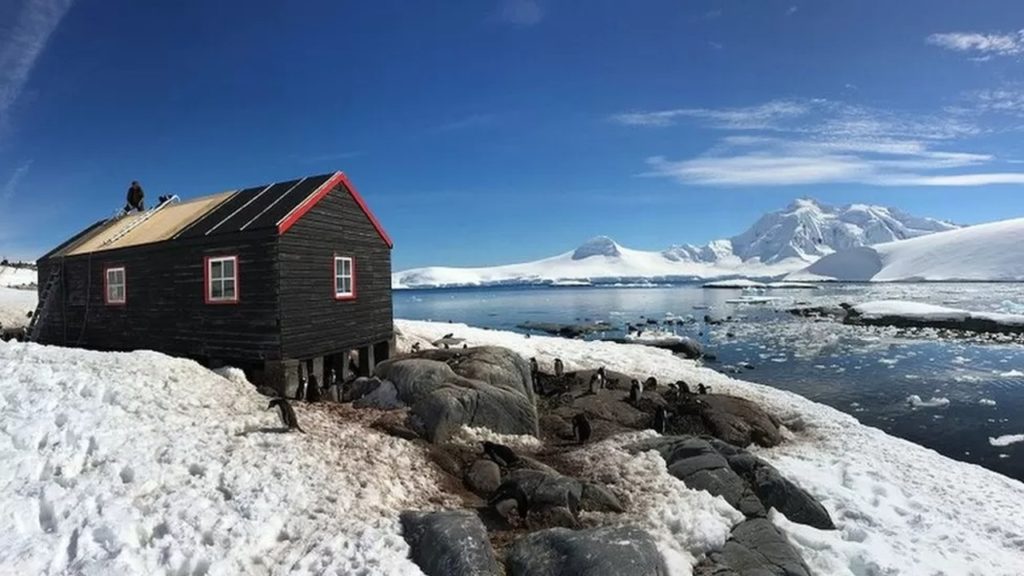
(487, 131)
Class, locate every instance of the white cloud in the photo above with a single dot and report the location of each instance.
(797, 142)
(521, 12)
(983, 45)
(21, 44)
(792, 10)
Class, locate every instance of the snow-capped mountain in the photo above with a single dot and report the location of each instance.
(778, 243)
(808, 230)
(989, 252)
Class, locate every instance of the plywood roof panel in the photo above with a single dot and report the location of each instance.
(159, 225)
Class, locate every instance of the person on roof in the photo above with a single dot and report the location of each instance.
(135, 197)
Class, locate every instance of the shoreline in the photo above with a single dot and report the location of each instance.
(897, 504)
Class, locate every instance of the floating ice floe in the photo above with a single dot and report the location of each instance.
(935, 402)
(1006, 440)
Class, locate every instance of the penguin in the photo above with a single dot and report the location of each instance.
(559, 367)
(651, 384)
(684, 388)
(534, 367)
(594, 383)
(448, 335)
(660, 417)
(313, 389)
(465, 346)
(501, 455)
(672, 394)
(287, 413)
(416, 347)
(603, 378)
(510, 491)
(581, 428)
(635, 391)
(702, 389)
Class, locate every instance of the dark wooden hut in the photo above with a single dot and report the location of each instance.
(282, 280)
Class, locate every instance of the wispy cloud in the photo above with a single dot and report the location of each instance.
(792, 10)
(762, 116)
(983, 45)
(10, 187)
(520, 12)
(816, 141)
(22, 43)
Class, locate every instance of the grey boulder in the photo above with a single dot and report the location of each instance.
(449, 543)
(604, 551)
(755, 548)
(746, 482)
(487, 387)
(483, 477)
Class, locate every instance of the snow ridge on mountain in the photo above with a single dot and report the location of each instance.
(779, 243)
(807, 229)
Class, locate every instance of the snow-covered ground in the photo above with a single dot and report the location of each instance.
(137, 463)
(16, 276)
(16, 303)
(778, 243)
(921, 311)
(983, 252)
(900, 508)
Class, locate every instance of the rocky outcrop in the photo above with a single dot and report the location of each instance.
(755, 548)
(605, 551)
(487, 387)
(729, 418)
(746, 482)
(449, 543)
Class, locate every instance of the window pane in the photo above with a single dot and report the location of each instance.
(229, 289)
(215, 269)
(229, 268)
(216, 289)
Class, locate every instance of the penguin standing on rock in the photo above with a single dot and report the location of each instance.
(287, 413)
(534, 368)
(702, 389)
(603, 379)
(559, 367)
(581, 428)
(651, 384)
(594, 383)
(635, 391)
(660, 418)
(507, 492)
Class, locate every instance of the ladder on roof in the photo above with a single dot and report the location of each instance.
(45, 301)
(135, 224)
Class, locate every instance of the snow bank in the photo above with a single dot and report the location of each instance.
(1006, 440)
(11, 276)
(920, 311)
(983, 252)
(900, 508)
(685, 523)
(15, 305)
(137, 463)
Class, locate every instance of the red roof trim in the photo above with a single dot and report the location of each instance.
(318, 195)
